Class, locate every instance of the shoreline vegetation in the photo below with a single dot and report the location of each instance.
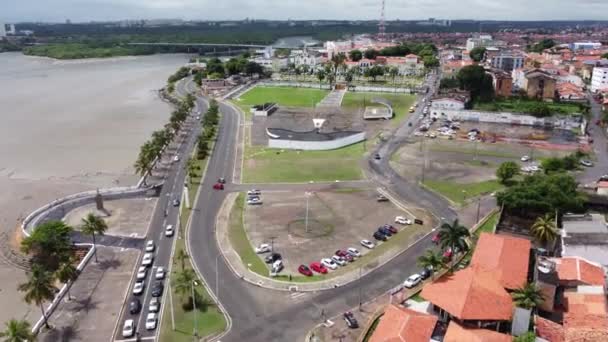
(81, 51)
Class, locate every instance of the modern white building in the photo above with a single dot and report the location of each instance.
(599, 80)
(2, 30)
(481, 41)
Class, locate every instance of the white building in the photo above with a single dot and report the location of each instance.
(586, 45)
(481, 41)
(303, 57)
(599, 80)
(448, 103)
(2, 30)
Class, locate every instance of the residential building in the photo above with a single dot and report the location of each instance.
(458, 333)
(403, 324)
(483, 40)
(502, 82)
(569, 92)
(409, 65)
(507, 61)
(599, 80)
(539, 84)
(306, 58)
(585, 236)
(602, 188)
(451, 68)
(588, 66)
(449, 101)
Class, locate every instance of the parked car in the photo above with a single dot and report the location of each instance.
(353, 252)
(221, 180)
(157, 289)
(154, 305)
(436, 238)
(272, 258)
(277, 266)
(134, 306)
(403, 220)
(412, 281)
(425, 273)
(338, 260)
(329, 263)
(254, 201)
(128, 329)
(392, 229)
(176, 158)
(142, 272)
(586, 163)
(218, 186)
(151, 321)
(169, 230)
(254, 192)
(525, 159)
(147, 259)
(176, 202)
(381, 198)
(263, 248)
(385, 231)
(318, 267)
(377, 156)
(305, 270)
(367, 244)
(344, 255)
(138, 288)
(160, 273)
(150, 246)
(379, 236)
(351, 322)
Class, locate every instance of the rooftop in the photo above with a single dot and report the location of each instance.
(401, 324)
(588, 223)
(580, 270)
(457, 333)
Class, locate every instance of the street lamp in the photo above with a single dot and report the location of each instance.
(194, 283)
(308, 194)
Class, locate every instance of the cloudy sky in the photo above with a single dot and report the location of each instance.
(86, 10)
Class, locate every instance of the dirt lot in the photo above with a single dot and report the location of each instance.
(336, 220)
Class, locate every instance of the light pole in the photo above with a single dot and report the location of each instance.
(217, 278)
(464, 192)
(359, 282)
(308, 194)
(194, 307)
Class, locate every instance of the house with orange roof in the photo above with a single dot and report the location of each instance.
(458, 333)
(575, 271)
(399, 324)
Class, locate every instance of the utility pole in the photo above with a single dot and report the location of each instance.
(359, 282)
(194, 307)
(272, 243)
(308, 194)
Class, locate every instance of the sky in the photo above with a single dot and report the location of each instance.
(87, 10)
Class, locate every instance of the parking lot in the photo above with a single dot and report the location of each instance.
(336, 220)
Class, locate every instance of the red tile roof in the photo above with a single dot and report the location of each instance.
(578, 269)
(471, 294)
(457, 333)
(507, 255)
(404, 325)
(549, 330)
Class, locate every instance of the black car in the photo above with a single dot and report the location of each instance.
(157, 289)
(135, 306)
(377, 156)
(425, 273)
(351, 321)
(222, 180)
(272, 258)
(385, 231)
(176, 202)
(381, 198)
(379, 236)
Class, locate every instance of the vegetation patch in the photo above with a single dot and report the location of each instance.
(401, 102)
(283, 96)
(459, 193)
(239, 240)
(536, 108)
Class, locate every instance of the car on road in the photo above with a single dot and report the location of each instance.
(169, 230)
(329, 263)
(160, 273)
(385, 231)
(392, 229)
(525, 158)
(272, 258)
(176, 158)
(303, 269)
(134, 306)
(128, 329)
(142, 272)
(218, 186)
(377, 156)
(338, 260)
(403, 220)
(586, 163)
(221, 180)
(381, 198)
(344, 255)
(254, 201)
(150, 246)
(353, 252)
(367, 244)
(254, 192)
(154, 305)
(263, 248)
(151, 321)
(147, 259)
(350, 320)
(138, 288)
(157, 289)
(318, 267)
(412, 281)
(175, 202)
(379, 236)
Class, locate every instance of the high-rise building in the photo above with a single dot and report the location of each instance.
(10, 29)
(599, 80)
(2, 30)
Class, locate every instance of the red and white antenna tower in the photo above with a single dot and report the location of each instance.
(382, 24)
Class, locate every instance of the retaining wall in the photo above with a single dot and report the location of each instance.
(316, 145)
(559, 122)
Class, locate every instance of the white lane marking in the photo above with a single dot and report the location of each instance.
(146, 338)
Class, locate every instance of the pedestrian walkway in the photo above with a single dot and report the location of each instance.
(333, 99)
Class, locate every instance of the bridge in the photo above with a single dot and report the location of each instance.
(203, 44)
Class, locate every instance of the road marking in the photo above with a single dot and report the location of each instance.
(146, 338)
(298, 295)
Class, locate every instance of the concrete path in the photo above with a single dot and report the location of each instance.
(333, 99)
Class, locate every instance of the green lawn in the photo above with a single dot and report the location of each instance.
(489, 225)
(458, 192)
(517, 105)
(479, 151)
(401, 102)
(267, 165)
(240, 241)
(283, 96)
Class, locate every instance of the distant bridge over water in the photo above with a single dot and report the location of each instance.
(204, 45)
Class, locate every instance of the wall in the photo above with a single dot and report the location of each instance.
(326, 86)
(505, 118)
(316, 145)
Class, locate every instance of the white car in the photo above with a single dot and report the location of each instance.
(154, 305)
(418, 134)
(169, 230)
(263, 248)
(367, 244)
(254, 201)
(353, 252)
(329, 263)
(138, 288)
(160, 273)
(147, 260)
(525, 158)
(176, 158)
(412, 281)
(142, 272)
(150, 246)
(586, 163)
(254, 192)
(151, 321)
(403, 220)
(339, 260)
(128, 329)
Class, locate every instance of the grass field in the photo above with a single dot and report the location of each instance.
(267, 165)
(516, 105)
(401, 102)
(458, 193)
(283, 96)
(240, 241)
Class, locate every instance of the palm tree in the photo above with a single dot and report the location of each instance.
(320, 76)
(39, 288)
(528, 297)
(454, 236)
(67, 273)
(431, 260)
(544, 229)
(17, 331)
(394, 72)
(182, 256)
(183, 282)
(92, 225)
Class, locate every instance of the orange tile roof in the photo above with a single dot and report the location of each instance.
(549, 330)
(457, 333)
(471, 294)
(401, 324)
(577, 304)
(579, 269)
(507, 255)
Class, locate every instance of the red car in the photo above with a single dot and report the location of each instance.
(448, 254)
(317, 267)
(305, 270)
(218, 186)
(344, 255)
(391, 229)
(436, 238)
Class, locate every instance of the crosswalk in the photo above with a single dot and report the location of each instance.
(297, 296)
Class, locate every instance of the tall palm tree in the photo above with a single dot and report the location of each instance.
(454, 236)
(17, 331)
(432, 260)
(67, 273)
(38, 288)
(183, 282)
(182, 256)
(320, 76)
(394, 72)
(528, 297)
(92, 225)
(544, 229)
